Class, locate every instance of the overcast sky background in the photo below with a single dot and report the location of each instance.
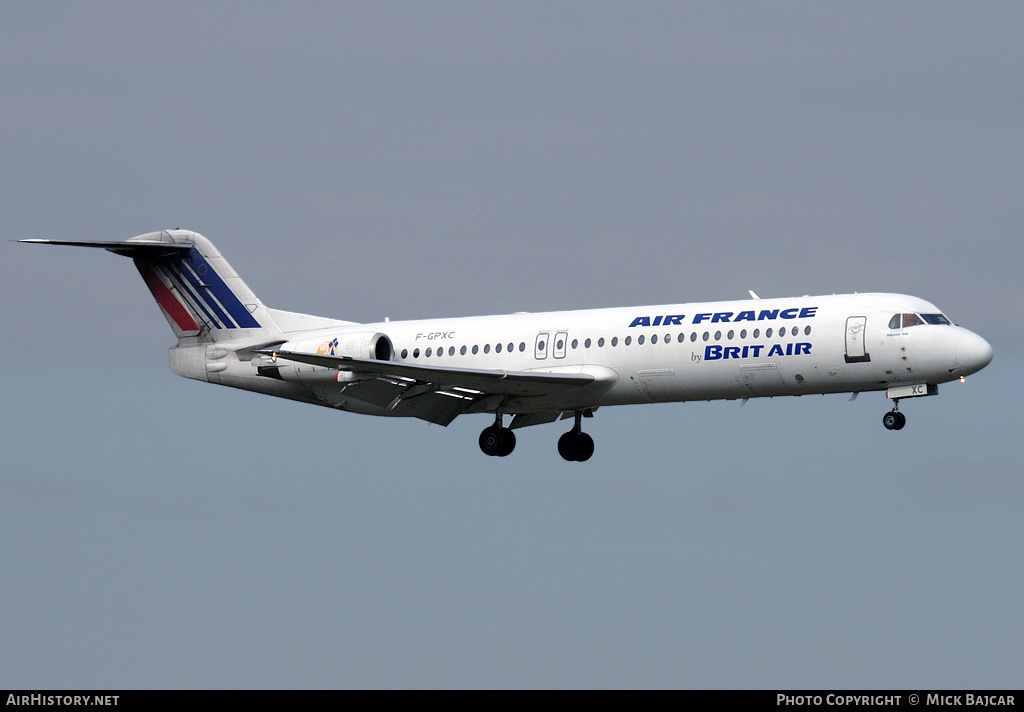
(416, 160)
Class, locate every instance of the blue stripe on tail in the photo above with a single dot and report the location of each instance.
(224, 300)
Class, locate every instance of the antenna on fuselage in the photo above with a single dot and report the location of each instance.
(752, 295)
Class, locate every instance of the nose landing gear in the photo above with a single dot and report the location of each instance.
(894, 419)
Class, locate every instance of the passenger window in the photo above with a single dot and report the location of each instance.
(451, 350)
(405, 353)
(640, 340)
(682, 338)
(497, 348)
(487, 349)
(768, 333)
(807, 331)
(796, 330)
(628, 341)
(586, 343)
(718, 336)
(463, 351)
(522, 346)
(575, 344)
(654, 339)
(706, 336)
(416, 353)
(731, 334)
(743, 334)
(693, 336)
(600, 342)
(757, 333)
(615, 341)
(427, 354)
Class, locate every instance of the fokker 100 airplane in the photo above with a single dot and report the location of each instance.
(538, 368)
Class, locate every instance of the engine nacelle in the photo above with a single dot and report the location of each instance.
(354, 344)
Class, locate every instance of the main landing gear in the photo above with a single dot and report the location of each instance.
(576, 445)
(894, 419)
(496, 440)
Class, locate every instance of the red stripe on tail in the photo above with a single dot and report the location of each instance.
(166, 299)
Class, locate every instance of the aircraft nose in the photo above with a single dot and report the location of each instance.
(973, 353)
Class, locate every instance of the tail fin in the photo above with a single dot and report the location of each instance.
(198, 292)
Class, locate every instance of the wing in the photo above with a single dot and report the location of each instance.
(439, 394)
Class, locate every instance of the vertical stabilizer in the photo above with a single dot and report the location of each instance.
(199, 293)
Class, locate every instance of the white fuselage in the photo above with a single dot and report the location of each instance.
(679, 352)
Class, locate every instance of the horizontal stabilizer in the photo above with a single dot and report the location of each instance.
(146, 250)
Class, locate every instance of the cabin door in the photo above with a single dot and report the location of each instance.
(540, 348)
(856, 351)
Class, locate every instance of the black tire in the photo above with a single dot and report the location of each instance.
(891, 420)
(508, 442)
(491, 440)
(584, 447)
(567, 446)
(902, 420)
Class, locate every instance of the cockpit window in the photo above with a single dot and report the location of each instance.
(911, 320)
(894, 323)
(935, 319)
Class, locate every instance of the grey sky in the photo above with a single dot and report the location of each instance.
(419, 160)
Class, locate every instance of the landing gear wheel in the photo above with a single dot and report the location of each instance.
(508, 442)
(894, 420)
(497, 441)
(575, 447)
(584, 447)
(567, 446)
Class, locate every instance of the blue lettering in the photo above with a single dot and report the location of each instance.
(744, 316)
(674, 320)
(768, 314)
(700, 317)
(720, 316)
(641, 321)
(789, 313)
(807, 312)
(717, 352)
(657, 321)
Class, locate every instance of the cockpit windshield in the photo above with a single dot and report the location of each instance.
(907, 320)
